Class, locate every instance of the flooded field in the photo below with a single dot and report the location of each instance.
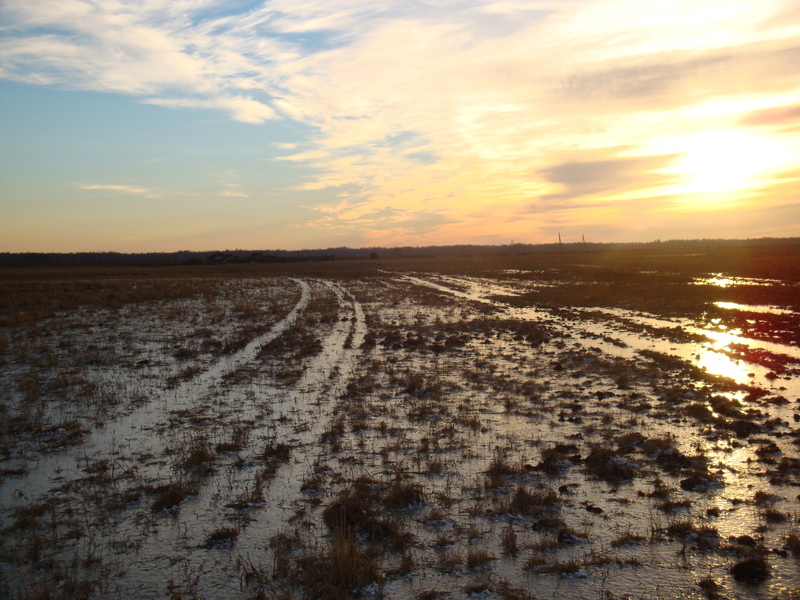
(509, 427)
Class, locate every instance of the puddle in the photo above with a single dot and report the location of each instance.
(721, 280)
(116, 435)
(435, 437)
(771, 310)
(309, 401)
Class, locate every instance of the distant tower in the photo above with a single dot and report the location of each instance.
(559, 239)
(583, 238)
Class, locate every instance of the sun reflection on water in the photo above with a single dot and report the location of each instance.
(722, 339)
(756, 308)
(717, 363)
(734, 462)
(712, 359)
(720, 280)
(730, 305)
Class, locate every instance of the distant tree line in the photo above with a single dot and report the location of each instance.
(187, 257)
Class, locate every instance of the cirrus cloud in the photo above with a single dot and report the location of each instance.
(434, 118)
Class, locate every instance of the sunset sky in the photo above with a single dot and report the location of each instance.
(161, 125)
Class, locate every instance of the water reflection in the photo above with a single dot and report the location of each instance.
(720, 364)
(712, 359)
(720, 280)
(756, 308)
(734, 462)
(722, 339)
(717, 281)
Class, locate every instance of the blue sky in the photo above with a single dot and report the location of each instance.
(199, 124)
(103, 171)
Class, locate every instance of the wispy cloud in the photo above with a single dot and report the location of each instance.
(161, 51)
(125, 189)
(506, 114)
(606, 176)
(781, 116)
(152, 193)
(240, 108)
(432, 119)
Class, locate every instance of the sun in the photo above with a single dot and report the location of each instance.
(727, 161)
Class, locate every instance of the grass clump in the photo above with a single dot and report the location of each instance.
(236, 443)
(527, 502)
(403, 496)
(792, 543)
(350, 567)
(710, 588)
(628, 538)
(199, 455)
(500, 467)
(360, 509)
(352, 510)
(171, 496)
(478, 560)
(224, 537)
(606, 464)
(752, 571)
(509, 541)
(345, 570)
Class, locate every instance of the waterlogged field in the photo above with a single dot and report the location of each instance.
(573, 426)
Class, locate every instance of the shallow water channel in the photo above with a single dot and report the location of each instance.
(407, 435)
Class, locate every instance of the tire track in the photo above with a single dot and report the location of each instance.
(174, 549)
(125, 434)
(595, 334)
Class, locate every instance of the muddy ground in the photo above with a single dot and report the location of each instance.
(583, 425)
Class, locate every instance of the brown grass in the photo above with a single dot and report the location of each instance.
(346, 567)
(172, 495)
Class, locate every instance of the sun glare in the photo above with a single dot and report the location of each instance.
(717, 363)
(713, 359)
(727, 161)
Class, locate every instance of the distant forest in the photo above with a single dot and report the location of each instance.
(187, 257)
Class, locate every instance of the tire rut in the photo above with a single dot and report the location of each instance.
(174, 546)
(59, 469)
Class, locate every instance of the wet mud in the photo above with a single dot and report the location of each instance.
(504, 433)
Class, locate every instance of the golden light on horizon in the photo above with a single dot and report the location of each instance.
(326, 127)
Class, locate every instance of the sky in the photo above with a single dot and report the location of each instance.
(165, 125)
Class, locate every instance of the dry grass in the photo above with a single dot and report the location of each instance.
(509, 541)
(347, 567)
(222, 538)
(170, 496)
(415, 444)
(536, 502)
